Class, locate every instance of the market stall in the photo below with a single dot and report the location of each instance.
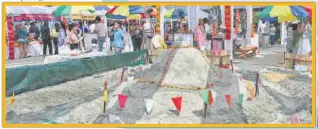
(300, 60)
(34, 47)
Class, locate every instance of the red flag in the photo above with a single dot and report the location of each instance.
(64, 19)
(294, 119)
(210, 97)
(177, 102)
(228, 100)
(122, 100)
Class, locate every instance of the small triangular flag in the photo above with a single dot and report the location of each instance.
(12, 99)
(228, 100)
(241, 99)
(214, 94)
(122, 100)
(252, 93)
(205, 96)
(105, 96)
(249, 85)
(114, 119)
(294, 120)
(149, 104)
(177, 102)
(210, 97)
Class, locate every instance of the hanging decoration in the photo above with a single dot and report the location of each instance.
(228, 22)
(237, 22)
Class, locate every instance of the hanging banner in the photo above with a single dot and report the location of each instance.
(237, 22)
(36, 17)
(227, 22)
(89, 17)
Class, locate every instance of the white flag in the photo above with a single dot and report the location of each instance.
(213, 95)
(149, 104)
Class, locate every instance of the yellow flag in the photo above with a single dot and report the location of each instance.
(249, 85)
(252, 93)
(105, 96)
(12, 99)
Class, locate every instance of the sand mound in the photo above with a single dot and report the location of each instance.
(188, 68)
(185, 67)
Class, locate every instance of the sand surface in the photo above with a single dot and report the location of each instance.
(81, 101)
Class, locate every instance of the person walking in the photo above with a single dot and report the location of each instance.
(100, 29)
(132, 31)
(148, 33)
(138, 38)
(35, 30)
(289, 39)
(54, 35)
(118, 38)
(61, 34)
(199, 38)
(272, 34)
(261, 31)
(22, 36)
(46, 38)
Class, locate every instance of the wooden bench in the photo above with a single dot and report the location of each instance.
(245, 51)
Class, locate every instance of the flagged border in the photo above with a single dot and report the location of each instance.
(27, 78)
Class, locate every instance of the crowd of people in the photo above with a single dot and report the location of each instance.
(299, 39)
(133, 38)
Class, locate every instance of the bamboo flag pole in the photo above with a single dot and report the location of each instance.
(256, 85)
(232, 65)
(122, 76)
(105, 96)
(205, 109)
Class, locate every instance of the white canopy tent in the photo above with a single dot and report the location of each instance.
(17, 10)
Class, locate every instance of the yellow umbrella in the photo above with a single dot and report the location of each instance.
(169, 13)
(283, 13)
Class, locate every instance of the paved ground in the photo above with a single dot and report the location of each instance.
(272, 56)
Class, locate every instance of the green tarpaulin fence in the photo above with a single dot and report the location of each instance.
(26, 78)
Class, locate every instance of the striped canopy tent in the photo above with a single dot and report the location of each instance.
(124, 12)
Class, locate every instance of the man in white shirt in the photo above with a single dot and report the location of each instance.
(261, 31)
(91, 27)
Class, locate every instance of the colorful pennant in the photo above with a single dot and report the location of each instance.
(210, 97)
(205, 96)
(177, 101)
(122, 100)
(252, 93)
(12, 98)
(105, 96)
(149, 104)
(241, 99)
(228, 100)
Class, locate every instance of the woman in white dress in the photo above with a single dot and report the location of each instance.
(207, 35)
(304, 44)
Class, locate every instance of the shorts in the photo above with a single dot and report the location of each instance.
(22, 41)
